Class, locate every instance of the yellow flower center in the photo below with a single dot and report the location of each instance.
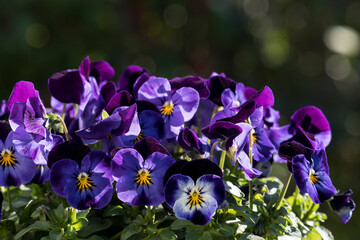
(139, 137)
(195, 199)
(313, 178)
(7, 158)
(253, 139)
(84, 182)
(143, 178)
(167, 108)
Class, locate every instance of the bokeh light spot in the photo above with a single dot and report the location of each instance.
(175, 16)
(338, 67)
(342, 40)
(256, 9)
(352, 124)
(37, 35)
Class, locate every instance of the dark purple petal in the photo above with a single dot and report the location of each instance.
(223, 130)
(278, 135)
(214, 186)
(84, 67)
(271, 117)
(194, 82)
(102, 128)
(122, 98)
(301, 169)
(148, 146)
(21, 92)
(312, 120)
(67, 86)
(101, 70)
(80, 200)
(188, 101)
(200, 167)
(61, 173)
(289, 150)
(152, 124)
(217, 84)
(107, 91)
(42, 175)
(129, 76)
(244, 112)
(139, 82)
(320, 161)
(263, 98)
(128, 117)
(174, 169)
(5, 129)
(188, 140)
(343, 205)
(97, 162)
(324, 187)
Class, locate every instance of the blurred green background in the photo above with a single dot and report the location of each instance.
(306, 51)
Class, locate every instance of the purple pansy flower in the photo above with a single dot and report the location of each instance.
(15, 169)
(216, 84)
(176, 108)
(262, 148)
(129, 76)
(343, 205)
(310, 121)
(195, 201)
(83, 185)
(139, 181)
(312, 176)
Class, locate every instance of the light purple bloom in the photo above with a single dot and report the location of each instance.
(139, 181)
(176, 108)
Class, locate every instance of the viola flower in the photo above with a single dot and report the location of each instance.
(176, 108)
(343, 205)
(262, 148)
(15, 169)
(312, 176)
(195, 201)
(216, 84)
(189, 141)
(129, 76)
(139, 181)
(310, 121)
(83, 185)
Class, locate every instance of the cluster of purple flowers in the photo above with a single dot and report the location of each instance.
(138, 121)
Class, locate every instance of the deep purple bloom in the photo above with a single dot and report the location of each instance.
(194, 82)
(176, 108)
(312, 176)
(122, 98)
(3, 109)
(129, 76)
(139, 181)
(85, 185)
(217, 83)
(310, 121)
(101, 71)
(15, 169)
(195, 201)
(189, 141)
(343, 205)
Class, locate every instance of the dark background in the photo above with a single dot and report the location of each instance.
(306, 51)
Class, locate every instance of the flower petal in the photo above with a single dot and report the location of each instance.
(61, 173)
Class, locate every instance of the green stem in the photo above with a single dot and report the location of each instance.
(212, 149)
(65, 129)
(222, 159)
(329, 205)
(283, 192)
(309, 212)
(9, 198)
(297, 191)
(251, 163)
(73, 215)
(116, 236)
(44, 210)
(63, 111)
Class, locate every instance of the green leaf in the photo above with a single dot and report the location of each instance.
(94, 225)
(179, 224)
(130, 230)
(312, 235)
(40, 225)
(194, 233)
(249, 236)
(29, 209)
(80, 223)
(82, 213)
(164, 234)
(56, 235)
(114, 211)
